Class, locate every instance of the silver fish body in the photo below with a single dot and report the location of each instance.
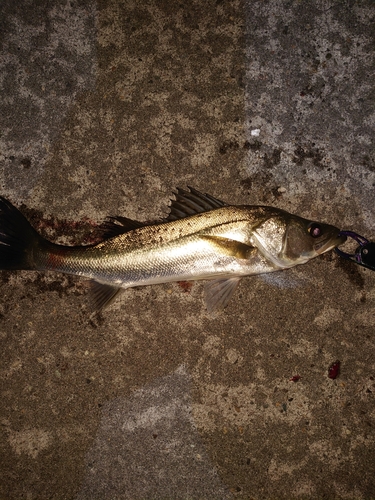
(202, 239)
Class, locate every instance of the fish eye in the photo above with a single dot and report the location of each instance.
(315, 230)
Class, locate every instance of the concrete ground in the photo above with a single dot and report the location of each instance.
(106, 107)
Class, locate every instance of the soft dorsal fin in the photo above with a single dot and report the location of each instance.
(192, 202)
(114, 226)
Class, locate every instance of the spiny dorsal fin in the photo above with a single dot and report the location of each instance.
(114, 226)
(192, 202)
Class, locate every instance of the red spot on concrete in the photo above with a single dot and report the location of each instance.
(185, 285)
(334, 370)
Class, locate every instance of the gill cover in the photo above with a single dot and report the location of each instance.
(288, 240)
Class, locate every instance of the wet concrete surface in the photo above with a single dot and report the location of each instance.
(105, 108)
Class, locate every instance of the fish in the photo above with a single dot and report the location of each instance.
(202, 238)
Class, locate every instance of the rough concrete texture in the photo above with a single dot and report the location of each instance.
(106, 107)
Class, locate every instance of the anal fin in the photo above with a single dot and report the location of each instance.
(219, 292)
(102, 294)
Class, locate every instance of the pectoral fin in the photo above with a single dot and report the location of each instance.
(219, 292)
(230, 247)
(102, 294)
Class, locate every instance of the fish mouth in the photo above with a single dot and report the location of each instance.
(341, 239)
(331, 241)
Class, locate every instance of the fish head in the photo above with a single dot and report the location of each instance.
(288, 240)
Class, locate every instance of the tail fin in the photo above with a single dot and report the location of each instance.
(17, 238)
